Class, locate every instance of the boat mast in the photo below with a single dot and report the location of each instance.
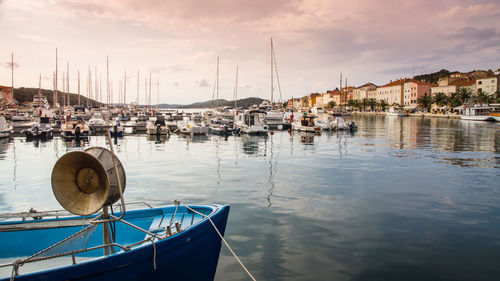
(40, 84)
(217, 100)
(107, 80)
(235, 95)
(67, 82)
(137, 87)
(340, 89)
(277, 76)
(125, 88)
(158, 94)
(12, 68)
(146, 93)
(271, 72)
(55, 85)
(79, 103)
(63, 89)
(150, 104)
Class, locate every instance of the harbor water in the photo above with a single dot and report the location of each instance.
(400, 199)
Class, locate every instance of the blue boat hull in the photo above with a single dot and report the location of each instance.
(191, 254)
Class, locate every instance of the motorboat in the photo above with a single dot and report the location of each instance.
(102, 240)
(40, 101)
(221, 126)
(157, 126)
(251, 122)
(339, 124)
(22, 117)
(325, 125)
(41, 130)
(74, 128)
(5, 128)
(116, 131)
(397, 112)
(275, 119)
(189, 127)
(495, 112)
(476, 113)
(306, 124)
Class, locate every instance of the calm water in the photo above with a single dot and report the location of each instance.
(402, 199)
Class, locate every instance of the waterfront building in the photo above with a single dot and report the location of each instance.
(361, 92)
(6, 94)
(412, 90)
(392, 92)
(311, 101)
(488, 85)
(293, 103)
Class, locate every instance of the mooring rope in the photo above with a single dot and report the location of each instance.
(177, 202)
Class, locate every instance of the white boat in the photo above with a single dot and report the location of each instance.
(340, 124)
(251, 122)
(41, 130)
(5, 128)
(157, 126)
(74, 128)
(306, 124)
(40, 100)
(396, 112)
(97, 120)
(326, 125)
(476, 113)
(274, 119)
(188, 127)
(21, 117)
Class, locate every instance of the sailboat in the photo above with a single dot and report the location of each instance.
(274, 116)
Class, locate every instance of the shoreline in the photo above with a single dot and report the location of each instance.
(422, 115)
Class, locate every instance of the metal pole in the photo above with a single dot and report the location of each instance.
(12, 77)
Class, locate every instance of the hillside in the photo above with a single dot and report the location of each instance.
(433, 78)
(24, 95)
(245, 103)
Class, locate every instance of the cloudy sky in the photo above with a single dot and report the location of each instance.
(179, 41)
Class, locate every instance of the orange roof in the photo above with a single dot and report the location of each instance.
(463, 83)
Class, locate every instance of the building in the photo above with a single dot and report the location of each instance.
(449, 86)
(361, 92)
(312, 99)
(6, 94)
(293, 103)
(412, 90)
(392, 93)
(488, 85)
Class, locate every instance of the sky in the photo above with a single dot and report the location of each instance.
(178, 42)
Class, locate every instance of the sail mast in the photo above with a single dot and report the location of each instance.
(217, 100)
(272, 86)
(125, 88)
(12, 66)
(158, 94)
(79, 103)
(67, 82)
(55, 85)
(235, 95)
(107, 80)
(137, 87)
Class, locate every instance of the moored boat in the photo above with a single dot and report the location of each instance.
(476, 113)
(306, 124)
(74, 128)
(251, 122)
(41, 130)
(5, 128)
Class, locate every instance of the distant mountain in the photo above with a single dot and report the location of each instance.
(245, 103)
(25, 95)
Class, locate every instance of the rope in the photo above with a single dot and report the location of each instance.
(221, 237)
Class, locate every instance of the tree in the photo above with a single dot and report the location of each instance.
(483, 97)
(364, 103)
(425, 102)
(372, 103)
(464, 94)
(285, 104)
(331, 104)
(454, 101)
(441, 99)
(383, 105)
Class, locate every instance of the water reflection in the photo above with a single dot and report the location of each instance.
(250, 145)
(157, 139)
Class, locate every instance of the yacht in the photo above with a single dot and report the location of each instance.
(306, 124)
(157, 126)
(40, 101)
(189, 127)
(5, 128)
(42, 130)
(22, 117)
(251, 122)
(74, 128)
(476, 113)
(397, 112)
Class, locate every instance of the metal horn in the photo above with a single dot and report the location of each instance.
(80, 183)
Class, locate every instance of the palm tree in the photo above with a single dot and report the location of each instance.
(454, 100)
(351, 103)
(425, 102)
(483, 97)
(383, 104)
(372, 103)
(441, 99)
(464, 94)
(364, 103)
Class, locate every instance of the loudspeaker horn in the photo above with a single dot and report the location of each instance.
(80, 183)
(106, 158)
